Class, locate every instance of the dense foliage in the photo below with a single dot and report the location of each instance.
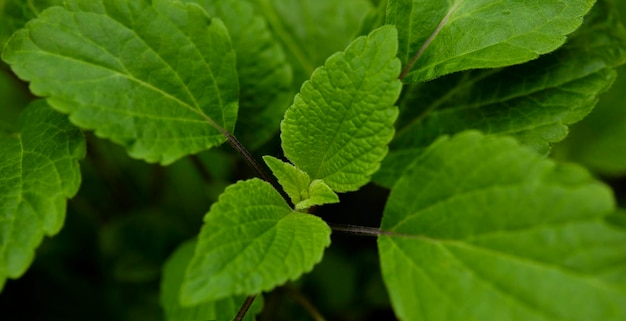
(413, 159)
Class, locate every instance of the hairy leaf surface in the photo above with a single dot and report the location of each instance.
(500, 233)
(173, 277)
(252, 241)
(523, 101)
(340, 123)
(158, 79)
(312, 30)
(441, 37)
(264, 74)
(38, 172)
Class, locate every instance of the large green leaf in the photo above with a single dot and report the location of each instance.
(441, 37)
(173, 277)
(252, 241)
(38, 172)
(533, 102)
(264, 74)
(484, 229)
(312, 30)
(158, 79)
(340, 123)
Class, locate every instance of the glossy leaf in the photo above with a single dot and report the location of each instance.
(39, 167)
(441, 37)
(523, 101)
(173, 276)
(340, 123)
(158, 79)
(265, 76)
(252, 241)
(501, 233)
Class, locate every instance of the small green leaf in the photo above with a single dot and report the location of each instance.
(264, 75)
(40, 171)
(312, 30)
(251, 242)
(319, 194)
(484, 229)
(159, 79)
(303, 192)
(173, 276)
(522, 101)
(441, 37)
(340, 123)
(294, 181)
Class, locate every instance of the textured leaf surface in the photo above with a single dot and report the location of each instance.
(319, 194)
(487, 230)
(173, 276)
(303, 192)
(441, 37)
(252, 241)
(533, 102)
(340, 123)
(264, 74)
(38, 172)
(158, 79)
(312, 30)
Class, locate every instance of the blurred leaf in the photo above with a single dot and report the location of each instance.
(39, 166)
(485, 229)
(312, 30)
(172, 280)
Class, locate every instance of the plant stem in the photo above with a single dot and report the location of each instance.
(358, 230)
(244, 308)
(236, 144)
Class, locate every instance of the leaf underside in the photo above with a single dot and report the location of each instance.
(159, 79)
(501, 233)
(252, 241)
(40, 171)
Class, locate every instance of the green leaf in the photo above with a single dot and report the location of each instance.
(312, 30)
(597, 141)
(294, 181)
(252, 241)
(303, 192)
(522, 101)
(319, 194)
(264, 75)
(484, 229)
(340, 123)
(39, 166)
(15, 13)
(173, 276)
(439, 38)
(158, 79)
